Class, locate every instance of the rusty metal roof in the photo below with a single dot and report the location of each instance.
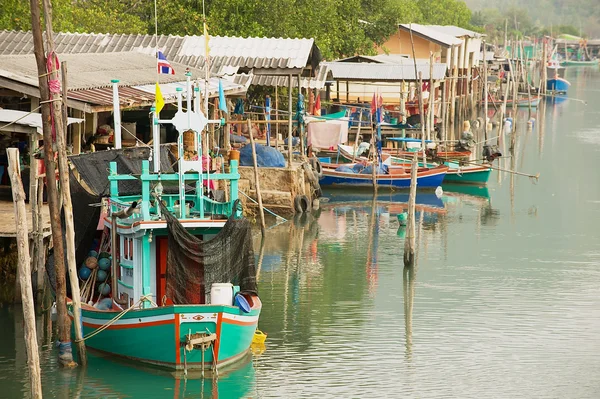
(372, 72)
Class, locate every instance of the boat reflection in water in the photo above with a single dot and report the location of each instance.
(110, 378)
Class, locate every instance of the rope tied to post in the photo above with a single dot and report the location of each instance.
(52, 66)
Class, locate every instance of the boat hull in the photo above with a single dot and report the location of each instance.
(478, 175)
(430, 178)
(157, 336)
(580, 63)
(557, 85)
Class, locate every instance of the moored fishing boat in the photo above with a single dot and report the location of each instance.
(558, 85)
(463, 174)
(183, 292)
(580, 63)
(520, 102)
(349, 175)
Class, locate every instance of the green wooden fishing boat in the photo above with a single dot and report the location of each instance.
(173, 297)
(579, 63)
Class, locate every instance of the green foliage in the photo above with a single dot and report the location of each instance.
(340, 27)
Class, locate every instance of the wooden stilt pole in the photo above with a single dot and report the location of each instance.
(485, 95)
(420, 94)
(290, 121)
(409, 243)
(257, 182)
(357, 135)
(63, 322)
(40, 253)
(36, 219)
(31, 345)
(276, 118)
(63, 169)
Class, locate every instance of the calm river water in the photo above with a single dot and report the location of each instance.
(504, 301)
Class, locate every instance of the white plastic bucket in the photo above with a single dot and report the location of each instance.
(221, 294)
(413, 146)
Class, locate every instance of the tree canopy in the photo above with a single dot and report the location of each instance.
(340, 27)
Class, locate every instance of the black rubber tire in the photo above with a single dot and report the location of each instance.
(301, 204)
(317, 167)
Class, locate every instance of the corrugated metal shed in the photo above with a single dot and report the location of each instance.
(87, 71)
(383, 72)
(456, 31)
(428, 32)
(383, 59)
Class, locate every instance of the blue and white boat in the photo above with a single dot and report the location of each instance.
(558, 85)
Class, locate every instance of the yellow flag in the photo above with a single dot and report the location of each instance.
(206, 38)
(160, 101)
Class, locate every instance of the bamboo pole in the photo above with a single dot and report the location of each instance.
(63, 169)
(40, 253)
(420, 94)
(257, 182)
(357, 136)
(31, 344)
(63, 322)
(409, 242)
(430, 113)
(300, 127)
(276, 118)
(485, 95)
(36, 215)
(290, 121)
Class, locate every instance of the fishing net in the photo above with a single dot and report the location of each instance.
(93, 168)
(193, 265)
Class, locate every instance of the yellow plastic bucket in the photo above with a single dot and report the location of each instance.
(259, 337)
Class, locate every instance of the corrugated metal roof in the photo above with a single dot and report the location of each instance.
(383, 72)
(252, 52)
(87, 71)
(383, 59)
(318, 82)
(430, 33)
(26, 119)
(295, 51)
(456, 31)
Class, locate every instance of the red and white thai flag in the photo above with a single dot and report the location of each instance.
(164, 66)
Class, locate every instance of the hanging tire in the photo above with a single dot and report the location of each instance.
(317, 167)
(301, 204)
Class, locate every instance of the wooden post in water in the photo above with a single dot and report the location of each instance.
(357, 135)
(31, 345)
(409, 243)
(276, 118)
(485, 95)
(422, 111)
(63, 169)
(257, 182)
(37, 264)
(290, 121)
(300, 127)
(430, 108)
(63, 322)
(420, 94)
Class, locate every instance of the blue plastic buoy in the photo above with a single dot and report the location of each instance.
(242, 303)
(101, 275)
(104, 264)
(104, 289)
(93, 254)
(84, 273)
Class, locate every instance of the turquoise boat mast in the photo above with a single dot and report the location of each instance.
(196, 210)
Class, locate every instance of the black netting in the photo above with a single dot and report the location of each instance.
(193, 265)
(93, 168)
(87, 212)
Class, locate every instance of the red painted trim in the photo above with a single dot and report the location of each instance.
(240, 323)
(177, 345)
(218, 343)
(130, 326)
